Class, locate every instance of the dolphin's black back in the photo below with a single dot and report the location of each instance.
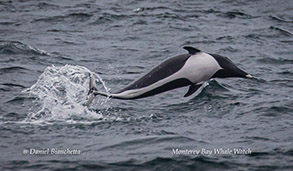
(167, 68)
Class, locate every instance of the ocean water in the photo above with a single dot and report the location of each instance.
(49, 48)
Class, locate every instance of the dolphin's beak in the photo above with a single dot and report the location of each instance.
(249, 76)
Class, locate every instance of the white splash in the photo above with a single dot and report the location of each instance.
(61, 92)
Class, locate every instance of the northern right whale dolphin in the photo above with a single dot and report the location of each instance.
(192, 69)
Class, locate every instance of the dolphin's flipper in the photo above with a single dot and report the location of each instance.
(192, 89)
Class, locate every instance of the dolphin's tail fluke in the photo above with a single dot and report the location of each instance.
(93, 91)
(92, 84)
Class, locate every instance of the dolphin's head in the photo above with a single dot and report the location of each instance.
(228, 68)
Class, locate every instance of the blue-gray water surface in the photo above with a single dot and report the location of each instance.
(47, 47)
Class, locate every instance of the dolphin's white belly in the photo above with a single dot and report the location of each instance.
(197, 69)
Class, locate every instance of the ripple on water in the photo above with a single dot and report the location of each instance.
(158, 163)
(281, 18)
(15, 47)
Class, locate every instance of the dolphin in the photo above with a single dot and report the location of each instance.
(191, 69)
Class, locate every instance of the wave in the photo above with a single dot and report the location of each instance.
(274, 111)
(211, 87)
(235, 14)
(13, 85)
(12, 69)
(275, 61)
(135, 143)
(280, 19)
(281, 30)
(78, 16)
(16, 47)
(158, 163)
